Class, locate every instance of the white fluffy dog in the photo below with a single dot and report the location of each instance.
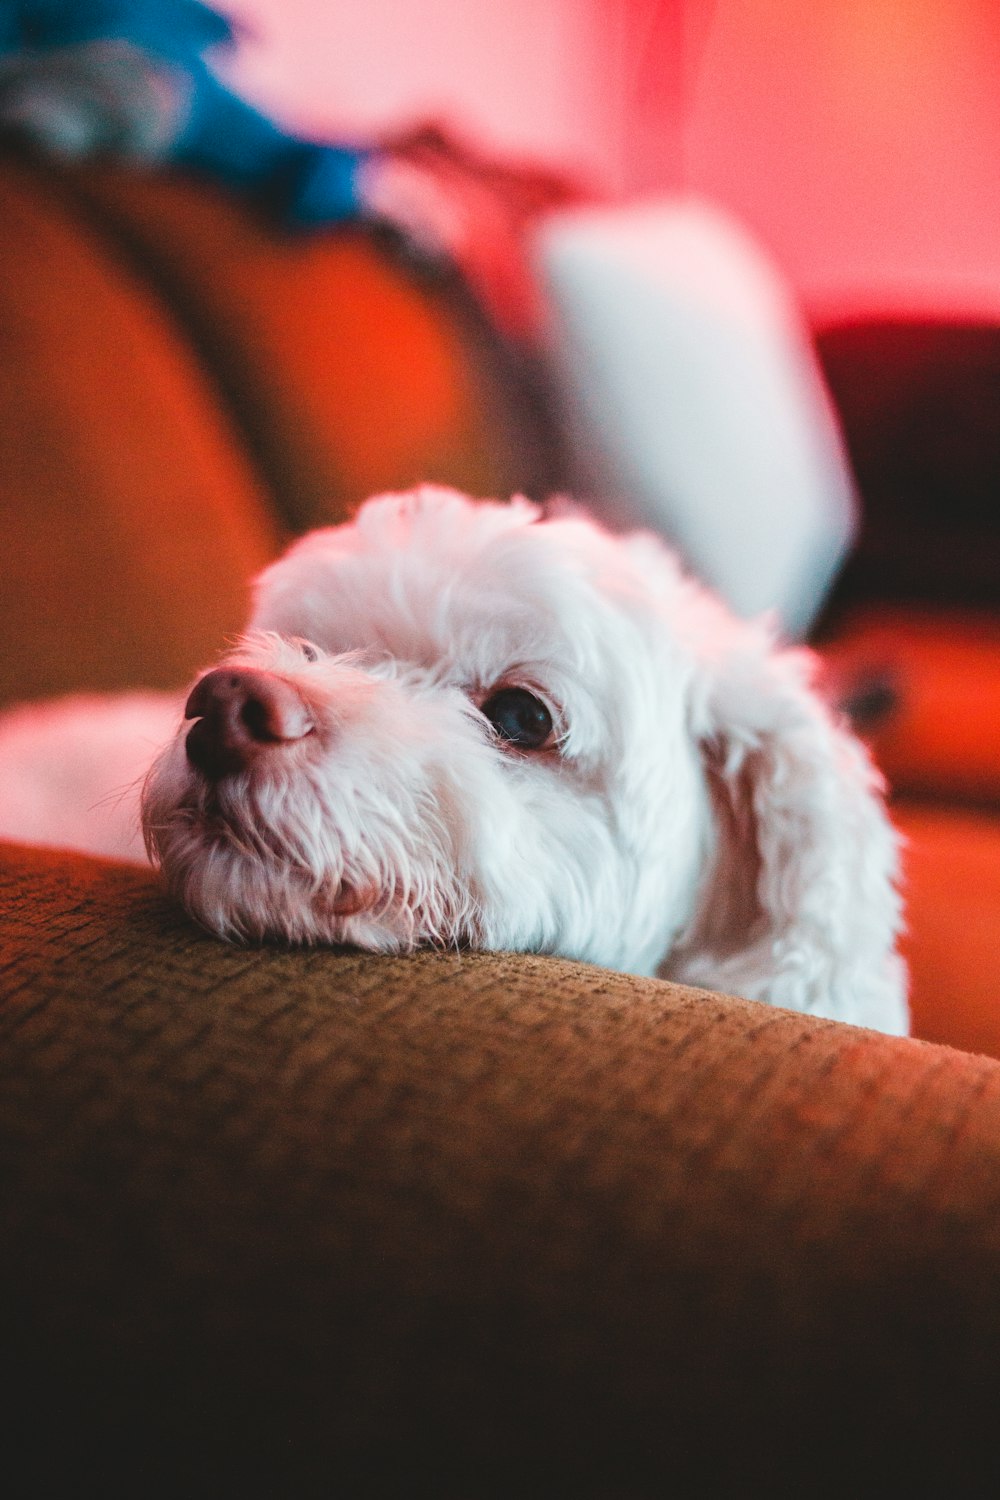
(458, 723)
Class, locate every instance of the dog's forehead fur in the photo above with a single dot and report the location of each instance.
(474, 592)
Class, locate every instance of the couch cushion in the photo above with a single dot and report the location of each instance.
(349, 370)
(939, 735)
(315, 1222)
(129, 520)
(952, 893)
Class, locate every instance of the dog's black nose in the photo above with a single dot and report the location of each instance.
(241, 714)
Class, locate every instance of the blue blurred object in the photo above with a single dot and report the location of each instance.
(218, 133)
(178, 30)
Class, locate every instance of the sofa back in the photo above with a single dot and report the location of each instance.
(183, 386)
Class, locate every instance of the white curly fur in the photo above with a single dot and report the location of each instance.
(700, 813)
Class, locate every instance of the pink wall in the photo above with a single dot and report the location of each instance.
(535, 76)
(860, 139)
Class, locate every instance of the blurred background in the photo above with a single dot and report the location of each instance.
(859, 140)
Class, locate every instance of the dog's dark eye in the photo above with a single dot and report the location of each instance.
(519, 718)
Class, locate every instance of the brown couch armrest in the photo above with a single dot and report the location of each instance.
(314, 1222)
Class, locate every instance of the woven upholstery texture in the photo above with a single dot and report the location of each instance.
(317, 1222)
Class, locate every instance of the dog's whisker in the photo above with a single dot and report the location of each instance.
(117, 796)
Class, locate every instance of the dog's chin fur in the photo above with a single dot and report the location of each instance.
(699, 810)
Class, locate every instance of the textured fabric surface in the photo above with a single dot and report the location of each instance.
(313, 1222)
(129, 520)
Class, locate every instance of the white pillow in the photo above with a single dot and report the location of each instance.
(694, 403)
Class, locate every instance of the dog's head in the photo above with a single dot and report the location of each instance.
(458, 723)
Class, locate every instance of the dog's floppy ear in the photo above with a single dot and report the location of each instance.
(799, 906)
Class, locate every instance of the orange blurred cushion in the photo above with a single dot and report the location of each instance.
(129, 521)
(348, 373)
(943, 736)
(952, 888)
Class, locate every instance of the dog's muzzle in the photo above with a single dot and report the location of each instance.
(242, 716)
